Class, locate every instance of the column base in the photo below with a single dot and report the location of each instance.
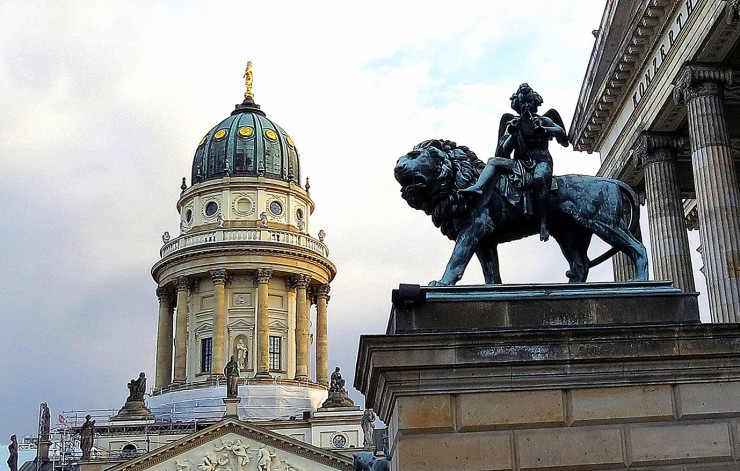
(263, 375)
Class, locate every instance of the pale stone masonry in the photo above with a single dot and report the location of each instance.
(669, 240)
(702, 89)
(660, 398)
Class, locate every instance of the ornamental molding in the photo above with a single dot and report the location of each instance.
(695, 80)
(182, 283)
(263, 275)
(219, 277)
(653, 147)
(646, 45)
(299, 281)
(188, 457)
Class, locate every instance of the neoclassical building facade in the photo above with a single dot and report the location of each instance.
(660, 103)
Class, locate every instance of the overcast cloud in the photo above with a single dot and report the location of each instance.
(103, 104)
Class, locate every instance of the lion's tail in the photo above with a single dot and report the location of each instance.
(632, 211)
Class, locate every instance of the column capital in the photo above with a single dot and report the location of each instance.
(182, 283)
(164, 293)
(320, 292)
(732, 11)
(219, 277)
(299, 281)
(263, 275)
(696, 79)
(654, 147)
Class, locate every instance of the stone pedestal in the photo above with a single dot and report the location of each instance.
(232, 403)
(133, 411)
(578, 392)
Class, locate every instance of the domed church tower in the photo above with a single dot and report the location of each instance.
(240, 279)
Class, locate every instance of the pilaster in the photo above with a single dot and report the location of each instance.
(669, 240)
(701, 87)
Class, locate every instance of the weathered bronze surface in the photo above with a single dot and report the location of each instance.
(515, 195)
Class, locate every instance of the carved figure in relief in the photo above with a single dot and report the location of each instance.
(265, 459)
(239, 450)
(182, 465)
(213, 463)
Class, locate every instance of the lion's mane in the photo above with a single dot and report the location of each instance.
(460, 168)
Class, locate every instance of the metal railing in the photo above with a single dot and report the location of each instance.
(274, 236)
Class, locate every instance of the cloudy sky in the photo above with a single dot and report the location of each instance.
(103, 104)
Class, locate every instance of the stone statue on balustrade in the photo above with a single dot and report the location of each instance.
(515, 195)
(368, 428)
(338, 396)
(135, 408)
(13, 453)
(231, 371)
(87, 437)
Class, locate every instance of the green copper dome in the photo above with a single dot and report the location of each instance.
(246, 144)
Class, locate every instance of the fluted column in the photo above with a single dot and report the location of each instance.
(163, 376)
(701, 87)
(301, 329)
(624, 268)
(181, 332)
(322, 345)
(669, 241)
(262, 277)
(219, 321)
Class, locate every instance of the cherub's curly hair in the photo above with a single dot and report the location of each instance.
(524, 90)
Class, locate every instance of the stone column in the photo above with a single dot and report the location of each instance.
(669, 241)
(163, 376)
(219, 321)
(322, 346)
(262, 277)
(624, 269)
(301, 329)
(701, 87)
(181, 332)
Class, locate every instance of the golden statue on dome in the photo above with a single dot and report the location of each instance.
(248, 95)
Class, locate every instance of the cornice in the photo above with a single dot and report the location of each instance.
(587, 128)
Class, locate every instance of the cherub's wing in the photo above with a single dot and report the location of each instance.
(555, 117)
(505, 118)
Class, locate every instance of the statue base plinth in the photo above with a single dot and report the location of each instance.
(338, 399)
(232, 404)
(469, 308)
(585, 395)
(133, 410)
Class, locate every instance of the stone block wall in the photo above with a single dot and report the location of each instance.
(681, 427)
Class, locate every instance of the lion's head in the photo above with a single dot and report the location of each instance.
(430, 177)
(364, 461)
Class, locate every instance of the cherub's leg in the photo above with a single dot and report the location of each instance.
(540, 188)
(486, 176)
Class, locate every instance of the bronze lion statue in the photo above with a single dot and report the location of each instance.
(364, 461)
(432, 174)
